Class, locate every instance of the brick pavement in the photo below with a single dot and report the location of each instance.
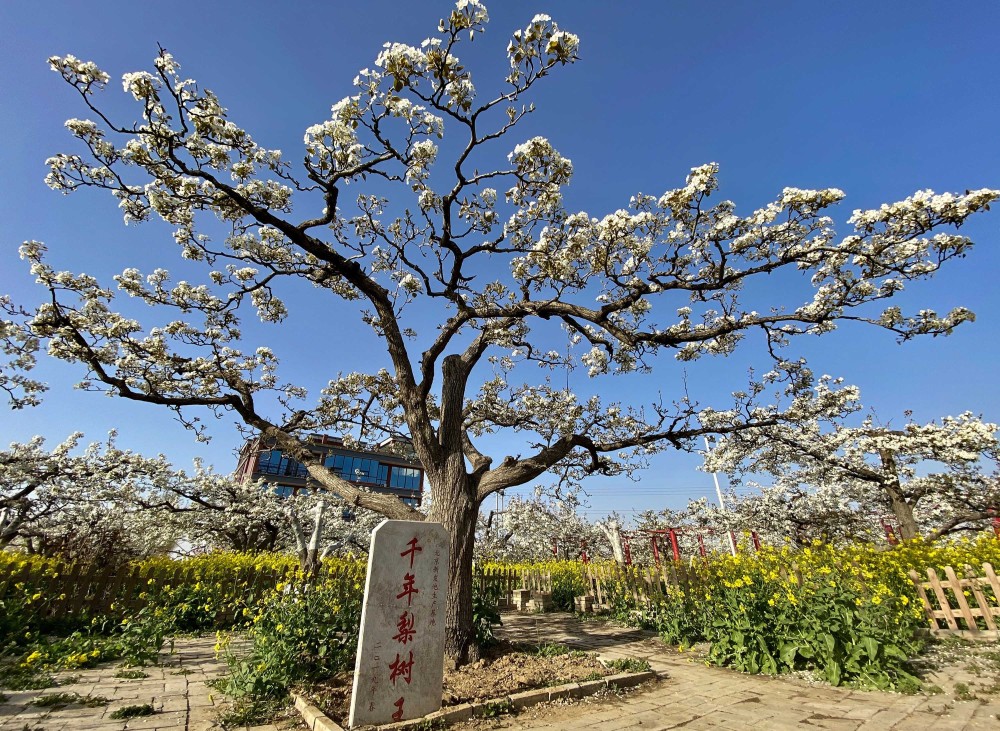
(689, 695)
(176, 688)
(692, 696)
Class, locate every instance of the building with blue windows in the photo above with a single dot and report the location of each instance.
(388, 467)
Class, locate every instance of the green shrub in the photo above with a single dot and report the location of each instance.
(309, 632)
(485, 612)
(852, 618)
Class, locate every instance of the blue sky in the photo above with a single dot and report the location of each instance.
(878, 99)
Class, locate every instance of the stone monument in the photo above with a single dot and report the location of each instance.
(400, 665)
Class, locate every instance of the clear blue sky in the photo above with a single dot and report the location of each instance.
(876, 98)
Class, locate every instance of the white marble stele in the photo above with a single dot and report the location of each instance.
(400, 665)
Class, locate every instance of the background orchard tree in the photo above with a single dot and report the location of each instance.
(331, 528)
(212, 511)
(81, 505)
(467, 272)
(215, 511)
(106, 503)
(934, 478)
(611, 529)
(796, 513)
(544, 526)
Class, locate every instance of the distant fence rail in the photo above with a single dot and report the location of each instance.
(92, 590)
(964, 605)
(642, 584)
(965, 602)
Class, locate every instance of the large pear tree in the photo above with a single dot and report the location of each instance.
(471, 272)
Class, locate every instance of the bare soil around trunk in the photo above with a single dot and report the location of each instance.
(506, 669)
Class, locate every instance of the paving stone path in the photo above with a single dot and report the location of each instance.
(689, 695)
(692, 696)
(176, 688)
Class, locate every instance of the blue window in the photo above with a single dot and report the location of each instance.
(358, 469)
(405, 478)
(276, 463)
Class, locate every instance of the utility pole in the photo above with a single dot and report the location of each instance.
(722, 503)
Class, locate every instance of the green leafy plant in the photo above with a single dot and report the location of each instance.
(307, 632)
(485, 612)
(551, 649)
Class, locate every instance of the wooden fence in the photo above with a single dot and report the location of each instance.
(93, 590)
(964, 605)
(642, 584)
(968, 604)
(99, 590)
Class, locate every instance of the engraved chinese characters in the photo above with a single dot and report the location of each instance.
(400, 663)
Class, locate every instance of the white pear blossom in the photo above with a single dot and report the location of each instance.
(453, 278)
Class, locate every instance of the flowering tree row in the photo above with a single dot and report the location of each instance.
(76, 504)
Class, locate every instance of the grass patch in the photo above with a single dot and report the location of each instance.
(495, 709)
(951, 642)
(145, 709)
(51, 700)
(992, 657)
(13, 677)
(963, 692)
(431, 724)
(55, 700)
(551, 649)
(630, 665)
(593, 616)
(251, 712)
(131, 674)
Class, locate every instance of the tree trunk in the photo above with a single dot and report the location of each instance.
(456, 509)
(612, 531)
(903, 512)
(900, 506)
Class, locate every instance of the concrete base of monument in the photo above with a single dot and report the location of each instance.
(316, 720)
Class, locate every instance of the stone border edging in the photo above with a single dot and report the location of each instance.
(316, 720)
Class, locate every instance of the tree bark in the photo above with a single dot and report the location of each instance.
(612, 531)
(456, 509)
(901, 508)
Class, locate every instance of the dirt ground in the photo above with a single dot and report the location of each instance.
(507, 669)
